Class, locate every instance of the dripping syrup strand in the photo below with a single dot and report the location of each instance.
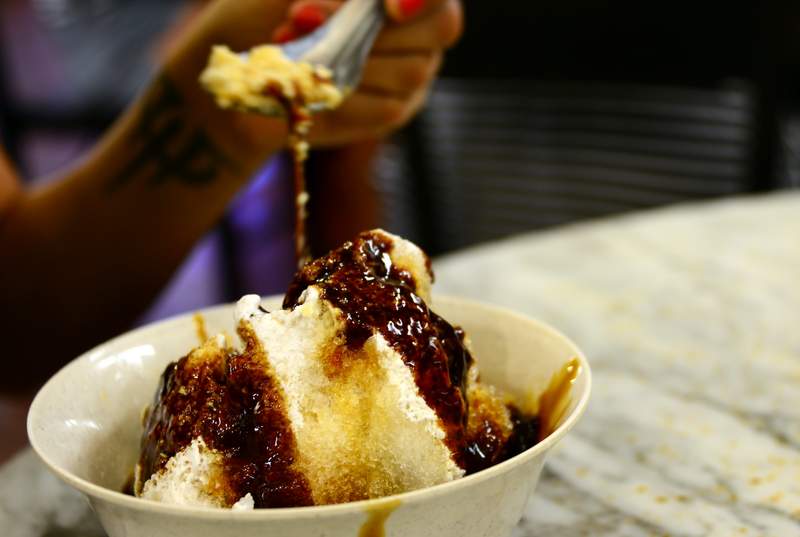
(200, 327)
(302, 251)
(299, 123)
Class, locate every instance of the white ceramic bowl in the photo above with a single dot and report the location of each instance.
(85, 425)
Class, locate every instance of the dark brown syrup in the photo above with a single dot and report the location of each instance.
(128, 487)
(489, 447)
(236, 406)
(299, 121)
(375, 295)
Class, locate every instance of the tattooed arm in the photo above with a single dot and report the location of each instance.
(82, 257)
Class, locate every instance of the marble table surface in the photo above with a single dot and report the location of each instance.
(690, 317)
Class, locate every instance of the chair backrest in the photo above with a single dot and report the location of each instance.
(488, 159)
(554, 112)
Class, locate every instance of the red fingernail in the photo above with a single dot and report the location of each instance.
(307, 19)
(409, 8)
(284, 34)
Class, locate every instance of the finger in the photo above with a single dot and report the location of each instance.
(303, 18)
(369, 116)
(326, 6)
(401, 10)
(239, 24)
(400, 75)
(406, 10)
(284, 33)
(440, 29)
(308, 15)
(362, 114)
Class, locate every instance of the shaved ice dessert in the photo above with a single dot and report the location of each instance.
(355, 389)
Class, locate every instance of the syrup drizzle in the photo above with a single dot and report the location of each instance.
(528, 428)
(200, 327)
(236, 405)
(377, 296)
(555, 400)
(299, 123)
(375, 525)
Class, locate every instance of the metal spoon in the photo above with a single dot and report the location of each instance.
(341, 45)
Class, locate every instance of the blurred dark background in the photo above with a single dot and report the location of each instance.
(548, 112)
(552, 112)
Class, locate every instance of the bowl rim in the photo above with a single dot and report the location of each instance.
(420, 495)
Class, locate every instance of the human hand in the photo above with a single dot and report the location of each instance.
(398, 73)
(396, 80)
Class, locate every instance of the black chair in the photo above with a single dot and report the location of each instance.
(552, 112)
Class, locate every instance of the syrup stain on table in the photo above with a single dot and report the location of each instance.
(375, 526)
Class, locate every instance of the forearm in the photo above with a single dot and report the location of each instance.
(83, 257)
(344, 200)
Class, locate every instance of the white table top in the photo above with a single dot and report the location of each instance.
(690, 317)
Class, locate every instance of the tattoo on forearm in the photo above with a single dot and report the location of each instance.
(170, 149)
